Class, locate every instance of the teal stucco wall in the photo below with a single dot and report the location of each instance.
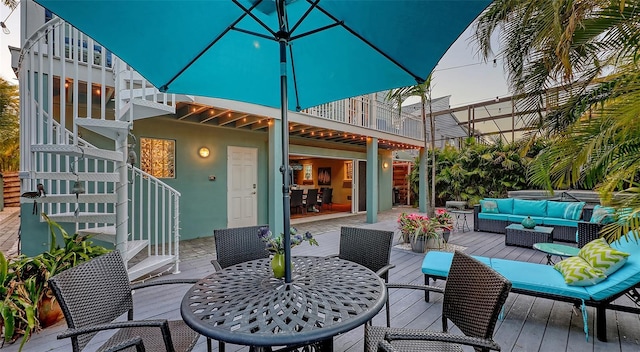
(203, 203)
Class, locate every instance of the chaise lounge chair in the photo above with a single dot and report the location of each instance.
(541, 280)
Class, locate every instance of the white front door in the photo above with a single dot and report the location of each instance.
(242, 186)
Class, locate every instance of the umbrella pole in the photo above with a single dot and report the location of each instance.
(284, 169)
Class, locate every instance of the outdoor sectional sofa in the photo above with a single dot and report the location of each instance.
(566, 218)
(541, 280)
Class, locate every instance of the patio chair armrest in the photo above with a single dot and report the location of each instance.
(163, 324)
(132, 342)
(425, 335)
(417, 287)
(216, 265)
(163, 282)
(385, 269)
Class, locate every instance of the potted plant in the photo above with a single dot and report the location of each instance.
(26, 302)
(427, 235)
(408, 223)
(446, 221)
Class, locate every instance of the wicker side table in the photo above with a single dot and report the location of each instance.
(517, 235)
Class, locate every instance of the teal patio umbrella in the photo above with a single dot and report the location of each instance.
(289, 54)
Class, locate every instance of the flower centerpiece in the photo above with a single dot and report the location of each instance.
(275, 245)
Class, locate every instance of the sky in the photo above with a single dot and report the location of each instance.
(460, 73)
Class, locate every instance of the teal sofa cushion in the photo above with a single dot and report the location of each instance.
(518, 219)
(489, 206)
(505, 205)
(556, 209)
(603, 215)
(574, 210)
(530, 207)
(537, 278)
(489, 216)
(560, 222)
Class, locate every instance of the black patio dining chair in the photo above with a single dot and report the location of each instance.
(94, 294)
(238, 245)
(473, 297)
(235, 246)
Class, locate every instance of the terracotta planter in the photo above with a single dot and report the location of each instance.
(49, 311)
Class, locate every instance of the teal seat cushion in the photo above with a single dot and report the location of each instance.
(489, 216)
(438, 263)
(530, 207)
(537, 278)
(556, 209)
(560, 222)
(505, 205)
(625, 277)
(518, 219)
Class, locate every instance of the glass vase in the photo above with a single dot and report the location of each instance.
(277, 265)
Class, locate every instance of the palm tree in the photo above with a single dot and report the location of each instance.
(422, 90)
(595, 133)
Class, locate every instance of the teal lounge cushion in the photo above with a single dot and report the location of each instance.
(536, 278)
(556, 209)
(517, 219)
(489, 216)
(438, 263)
(601, 256)
(574, 210)
(627, 276)
(505, 205)
(559, 222)
(489, 206)
(577, 272)
(530, 207)
(603, 215)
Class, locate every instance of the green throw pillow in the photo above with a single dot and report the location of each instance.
(601, 256)
(577, 272)
(603, 215)
(489, 206)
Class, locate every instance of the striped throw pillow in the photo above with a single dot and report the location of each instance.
(577, 272)
(601, 256)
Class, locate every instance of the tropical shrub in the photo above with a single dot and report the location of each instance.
(23, 281)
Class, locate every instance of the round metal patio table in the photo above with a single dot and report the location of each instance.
(244, 304)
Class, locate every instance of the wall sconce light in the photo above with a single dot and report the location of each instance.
(385, 165)
(203, 152)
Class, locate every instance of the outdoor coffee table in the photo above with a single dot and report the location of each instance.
(244, 304)
(559, 250)
(518, 235)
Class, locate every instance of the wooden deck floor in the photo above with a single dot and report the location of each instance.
(529, 324)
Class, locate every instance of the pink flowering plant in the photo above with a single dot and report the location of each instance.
(416, 225)
(444, 218)
(275, 243)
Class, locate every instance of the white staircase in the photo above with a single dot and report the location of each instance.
(94, 188)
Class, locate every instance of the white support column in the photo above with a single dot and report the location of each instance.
(372, 180)
(122, 207)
